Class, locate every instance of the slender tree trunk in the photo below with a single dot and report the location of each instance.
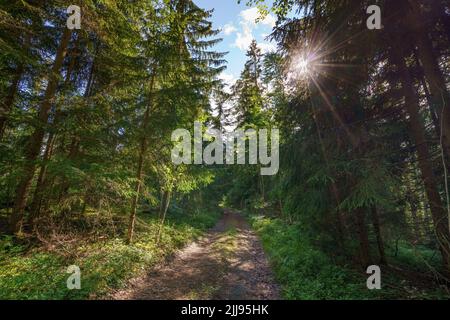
(417, 132)
(428, 223)
(280, 207)
(34, 145)
(6, 106)
(76, 140)
(167, 196)
(432, 107)
(41, 183)
(161, 204)
(377, 228)
(142, 153)
(363, 237)
(85, 201)
(263, 193)
(415, 218)
(72, 155)
(414, 210)
(439, 94)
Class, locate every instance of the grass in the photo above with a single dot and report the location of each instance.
(105, 265)
(206, 291)
(419, 257)
(227, 244)
(306, 273)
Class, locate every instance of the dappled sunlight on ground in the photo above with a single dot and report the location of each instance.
(228, 263)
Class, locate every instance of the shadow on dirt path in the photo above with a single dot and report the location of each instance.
(227, 263)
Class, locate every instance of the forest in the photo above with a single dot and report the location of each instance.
(87, 176)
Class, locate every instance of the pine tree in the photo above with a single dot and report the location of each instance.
(248, 90)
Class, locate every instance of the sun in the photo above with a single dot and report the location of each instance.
(302, 65)
(299, 69)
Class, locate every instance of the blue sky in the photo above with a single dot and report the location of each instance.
(237, 22)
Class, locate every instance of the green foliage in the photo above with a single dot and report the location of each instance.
(419, 258)
(305, 272)
(84, 136)
(41, 274)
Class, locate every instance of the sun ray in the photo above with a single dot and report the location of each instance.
(333, 111)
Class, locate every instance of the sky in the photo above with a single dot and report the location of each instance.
(238, 25)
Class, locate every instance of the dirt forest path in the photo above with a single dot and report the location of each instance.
(227, 263)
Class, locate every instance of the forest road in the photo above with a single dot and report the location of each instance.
(228, 263)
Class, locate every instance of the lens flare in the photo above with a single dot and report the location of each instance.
(301, 66)
(298, 70)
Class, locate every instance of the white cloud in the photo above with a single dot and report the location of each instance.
(267, 47)
(229, 29)
(244, 38)
(251, 15)
(249, 23)
(270, 21)
(228, 78)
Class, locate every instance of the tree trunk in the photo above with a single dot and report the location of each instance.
(34, 145)
(76, 140)
(417, 133)
(414, 210)
(7, 105)
(439, 94)
(167, 196)
(72, 155)
(41, 183)
(263, 193)
(363, 238)
(377, 228)
(432, 108)
(142, 152)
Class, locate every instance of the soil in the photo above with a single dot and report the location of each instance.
(228, 263)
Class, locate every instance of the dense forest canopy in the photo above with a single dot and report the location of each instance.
(86, 117)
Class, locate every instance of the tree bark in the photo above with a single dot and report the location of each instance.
(363, 237)
(142, 152)
(261, 182)
(414, 210)
(167, 196)
(417, 133)
(439, 94)
(432, 108)
(42, 182)
(72, 155)
(7, 105)
(75, 142)
(377, 228)
(34, 145)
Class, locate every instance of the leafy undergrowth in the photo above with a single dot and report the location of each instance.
(306, 273)
(41, 274)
